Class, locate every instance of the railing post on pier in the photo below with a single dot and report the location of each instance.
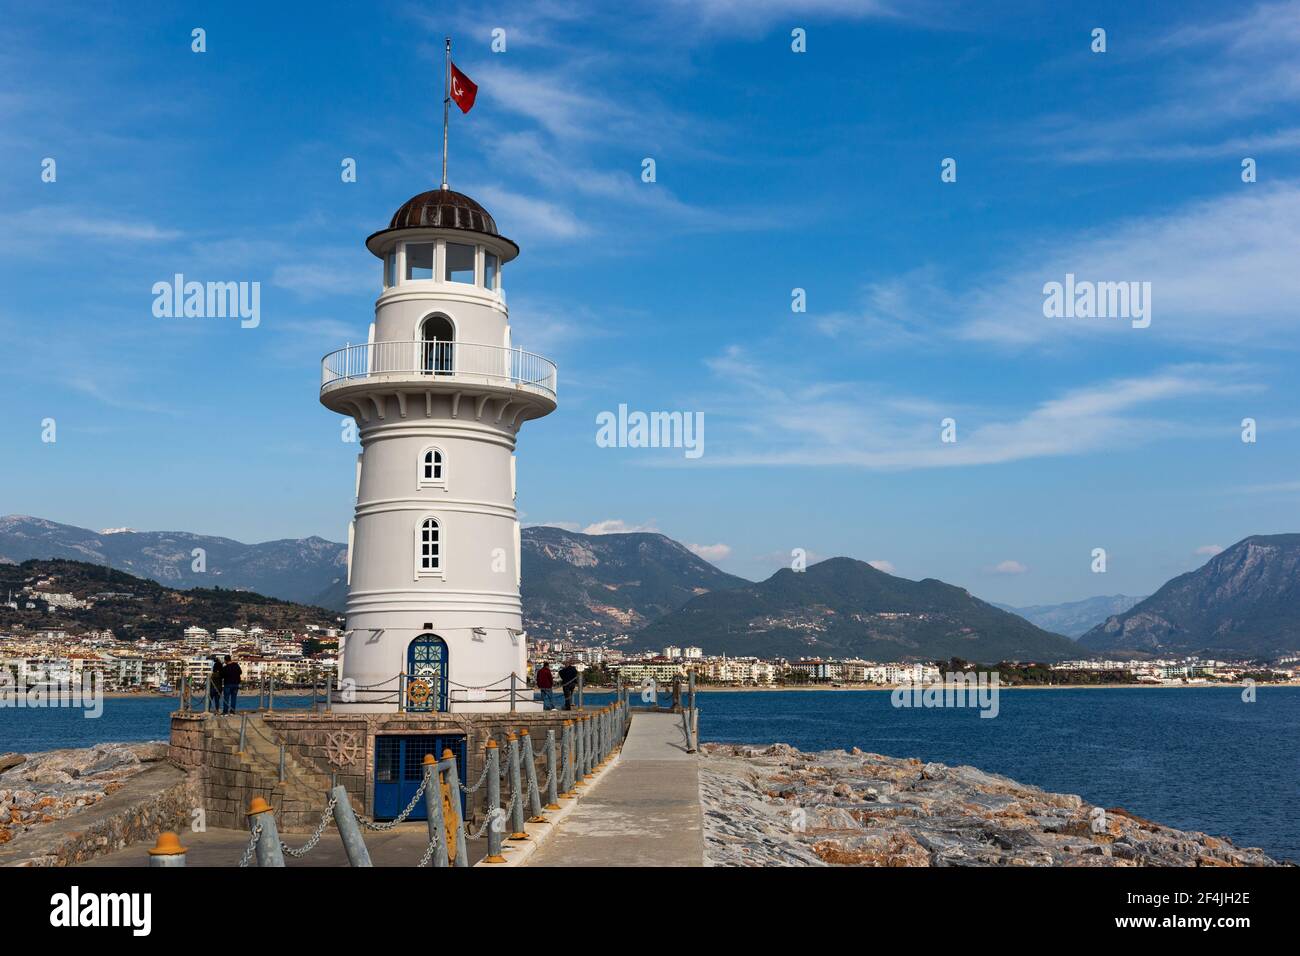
(695, 727)
(579, 754)
(243, 732)
(183, 704)
(433, 810)
(270, 694)
(457, 821)
(530, 775)
(580, 682)
(690, 694)
(566, 757)
(618, 686)
(354, 845)
(267, 848)
(282, 763)
(167, 851)
(552, 784)
(207, 696)
(329, 693)
(495, 825)
(589, 747)
(512, 692)
(516, 791)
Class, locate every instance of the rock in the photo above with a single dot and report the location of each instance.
(11, 760)
(777, 806)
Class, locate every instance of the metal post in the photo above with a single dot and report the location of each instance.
(579, 755)
(552, 784)
(512, 692)
(243, 732)
(530, 775)
(282, 763)
(494, 823)
(167, 851)
(453, 785)
(580, 682)
(566, 756)
(329, 693)
(354, 845)
(315, 696)
(516, 791)
(618, 686)
(270, 694)
(207, 696)
(691, 688)
(268, 841)
(588, 747)
(695, 727)
(180, 700)
(433, 810)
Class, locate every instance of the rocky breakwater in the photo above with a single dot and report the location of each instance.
(777, 806)
(41, 788)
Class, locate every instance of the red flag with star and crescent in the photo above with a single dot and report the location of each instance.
(463, 89)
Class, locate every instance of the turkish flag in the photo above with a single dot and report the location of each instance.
(463, 89)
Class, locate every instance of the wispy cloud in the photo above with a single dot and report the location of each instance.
(794, 423)
(1008, 567)
(711, 552)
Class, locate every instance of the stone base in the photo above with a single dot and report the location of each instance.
(338, 746)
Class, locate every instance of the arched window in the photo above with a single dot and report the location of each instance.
(428, 554)
(438, 335)
(432, 468)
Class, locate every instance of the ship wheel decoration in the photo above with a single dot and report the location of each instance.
(418, 692)
(342, 748)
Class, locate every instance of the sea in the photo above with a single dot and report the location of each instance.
(1197, 758)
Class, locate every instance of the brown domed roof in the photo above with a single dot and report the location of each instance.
(442, 209)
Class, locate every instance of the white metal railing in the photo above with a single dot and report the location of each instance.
(494, 364)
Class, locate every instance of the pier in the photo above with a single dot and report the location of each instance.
(645, 811)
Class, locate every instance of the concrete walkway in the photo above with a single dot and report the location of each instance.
(644, 812)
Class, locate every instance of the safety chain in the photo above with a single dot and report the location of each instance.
(252, 845)
(315, 837)
(487, 822)
(401, 817)
(428, 851)
(481, 778)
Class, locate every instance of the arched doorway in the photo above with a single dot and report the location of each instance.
(426, 674)
(439, 335)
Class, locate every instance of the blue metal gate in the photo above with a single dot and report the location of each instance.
(399, 768)
(426, 669)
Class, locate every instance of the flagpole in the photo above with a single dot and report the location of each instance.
(446, 103)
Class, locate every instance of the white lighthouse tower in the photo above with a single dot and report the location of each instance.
(438, 394)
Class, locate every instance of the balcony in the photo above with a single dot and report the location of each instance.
(438, 364)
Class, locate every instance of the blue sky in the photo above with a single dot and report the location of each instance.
(775, 170)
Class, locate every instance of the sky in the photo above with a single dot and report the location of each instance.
(775, 170)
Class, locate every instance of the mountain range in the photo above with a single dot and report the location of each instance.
(615, 582)
(292, 569)
(1073, 618)
(841, 608)
(1243, 602)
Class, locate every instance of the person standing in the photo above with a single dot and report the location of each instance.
(231, 675)
(214, 685)
(568, 683)
(546, 683)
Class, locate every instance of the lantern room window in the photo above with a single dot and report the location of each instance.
(491, 267)
(460, 263)
(419, 260)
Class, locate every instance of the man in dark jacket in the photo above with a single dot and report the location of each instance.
(568, 683)
(545, 683)
(231, 675)
(214, 684)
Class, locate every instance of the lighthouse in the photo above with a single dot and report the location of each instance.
(439, 394)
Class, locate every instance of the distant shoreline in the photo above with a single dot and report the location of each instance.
(702, 688)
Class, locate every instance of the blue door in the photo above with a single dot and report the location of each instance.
(399, 768)
(426, 669)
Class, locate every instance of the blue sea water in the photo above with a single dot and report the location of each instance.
(1194, 758)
